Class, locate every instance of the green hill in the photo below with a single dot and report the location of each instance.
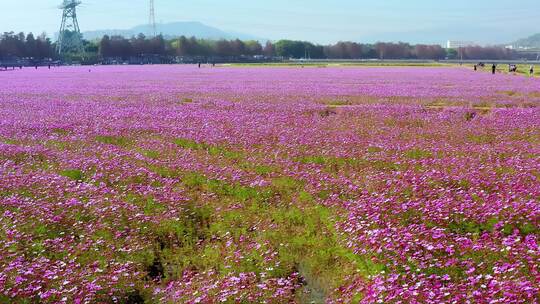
(531, 41)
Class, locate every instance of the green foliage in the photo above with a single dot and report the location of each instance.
(165, 172)
(214, 150)
(263, 170)
(189, 144)
(171, 232)
(8, 141)
(452, 53)
(152, 154)
(286, 185)
(338, 102)
(194, 180)
(74, 174)
(41, 229)
(464, 184)
(60, 131)
(304, 196)
(418, 154)
(410, 216)
(523, 228)
(103, 234)
(7, 299)
(304, 237)
(316, 159)
(152, 207)
(298, 49)
(222, 151)
(312, 245)
(335, 164)
(113, 140)
(372, 149)
(60, 145)
(386, 165)
(464, 226)
(238, 192)
(481, 138)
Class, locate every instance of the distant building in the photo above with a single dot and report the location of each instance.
(452, 44)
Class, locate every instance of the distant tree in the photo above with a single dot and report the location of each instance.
(238, 47)
(269, 49)
(485, 53)
(44, 47)
(253, 47)
(31, 46)
(290, 49)
(91, 47)
(116, 46)
(195, 49)
(140, 45)
(222, 48)
(157, 45)
(342, 50)
(12, 45)
(313, 51)
(181, 45)
(434, 52)
(451, 53)
(105, 47)
(390, 50)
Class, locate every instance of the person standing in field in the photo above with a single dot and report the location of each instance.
(531, 70)
(493, 69)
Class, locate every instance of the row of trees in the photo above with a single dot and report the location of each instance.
(28, 46)
(407, 51)
(118, 46)
(225, 48)
(383, 50)
(486, 53)
(21, 45)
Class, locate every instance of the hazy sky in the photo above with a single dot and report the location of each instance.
(433, 21)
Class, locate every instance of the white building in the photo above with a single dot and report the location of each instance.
(453, 44)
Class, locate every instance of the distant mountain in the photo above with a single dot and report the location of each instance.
(529, 42)
(172, 30)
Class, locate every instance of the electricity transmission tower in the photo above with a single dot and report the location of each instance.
(69, 36)
(152, 19)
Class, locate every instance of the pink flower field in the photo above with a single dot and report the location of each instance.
(172, 184)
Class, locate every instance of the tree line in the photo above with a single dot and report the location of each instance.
(25, 46)
(117, 46)
(28, 46)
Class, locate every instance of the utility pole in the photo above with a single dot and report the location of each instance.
(152, 19)
(69, 36)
